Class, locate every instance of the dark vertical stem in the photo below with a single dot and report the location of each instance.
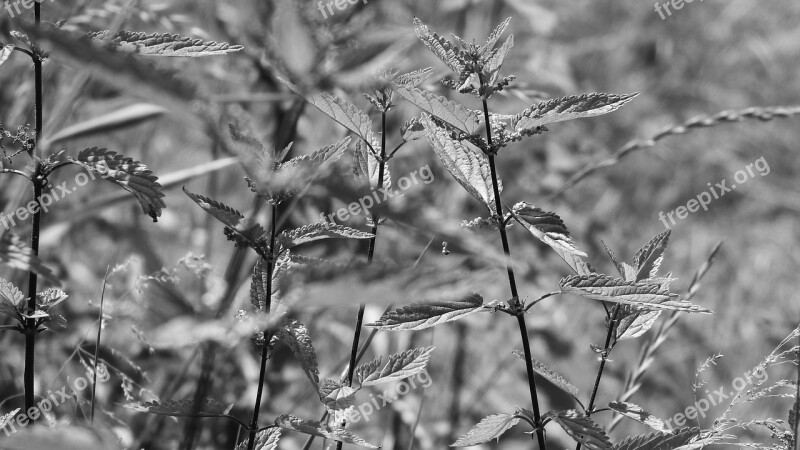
(30, 324)
(457, 381)
(514, 302)
(604, 357)
(370, 255)
(265, 348)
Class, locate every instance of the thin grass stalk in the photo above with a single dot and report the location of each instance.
(97, 343)
(265, 346)
(370, 255)
(514, 303)
(797, 395)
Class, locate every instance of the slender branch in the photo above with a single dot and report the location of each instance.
(604, 357)
(265, 349)
(370, 255)
(514, 302)
(797, 395)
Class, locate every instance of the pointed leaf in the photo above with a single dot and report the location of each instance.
(638, 414)
(495, 62)
(489, 428)
(7, 418)
(551, 375)
(5, 52)
(641, 295)
(494, 38)
(648, 258)
(319, 231)
(581, 428)
(453, 114)
(365, 371)
(469, 167)
(315, 428)
(121, 118)
(441, 47)
(366, 166)
(340, 110)
(336, 396)
(296, 336)
(162, 44)
(131, 175)
(569, 108)
(419, 316)
(614, 259)
(16, 253)
(265, 440)
(413, 129)
(414, 78)
(400, 366)
(658, 441)
(182, 408)
(12, 300)
(258, 286)
(231, 218)
(634, 323)
(550, 229)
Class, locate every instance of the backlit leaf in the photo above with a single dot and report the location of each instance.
(551, 375)
(489, 428)
(658, 441)
(634, 322)
(265, 440)
(12, 300)
(319, 231)
(336, 396)
(569, 108)
(648, 259)
(441, 47)
(247, 228)
(550, 229)
(419, 316)
(450, 112)
(163, 44)
(5, 52)
(296, 336)
(399, 367)
(638, 414)
(581, 428)
(641, 295)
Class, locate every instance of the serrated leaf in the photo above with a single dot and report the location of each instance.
(419, 316)
(127, 173)
(489, 428)
(125, 117)
(5, 52)
(641, 295)
(336, 396)
(319, 231)
(258, 285)
(494, 37)
(495, 62)
(581, 428)
(400, 366)
(551, 375)
(231, 218)
(648, 259)
(340, 110)
(793, 418)
(614, 259)
(366, 166)
(265, 440)
(181, 408)
(16, 253)
(634, 323)
(469, 167)
(657, 440)
(314, 428)
(12, 300)
(441, 47)
(452, 113)
(162, 44)
(414, 78)
(7, 418)
(296, 336)
(50, 298)
(638, 414)
(569, 108)
(412, 130)
(550, 229)
(365, 370)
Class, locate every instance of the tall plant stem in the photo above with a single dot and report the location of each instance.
(797, 395)
(604, 357)
(30, 324)
(265, 348)
(514, 302)
(351, 368)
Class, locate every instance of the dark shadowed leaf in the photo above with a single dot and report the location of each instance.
(550, 229)
(581, 428)
(398, 367)
(419, 316)
(248, 229)
(551, 375)
(163, 44)
(315, 428)
(648, 259)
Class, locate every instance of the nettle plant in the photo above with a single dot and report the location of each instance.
(632, 301)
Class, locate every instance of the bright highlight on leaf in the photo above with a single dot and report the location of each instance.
(182, 408)
(318, 231)
(314, 428)
(265, 440)
(488, 429)
(398, 367)
(580, 428)
(638, 414)
(659, 441)
(569, 108)
(163, 44)
(449, 112)
(550, 229)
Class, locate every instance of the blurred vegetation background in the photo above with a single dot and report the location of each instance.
(707, 57)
